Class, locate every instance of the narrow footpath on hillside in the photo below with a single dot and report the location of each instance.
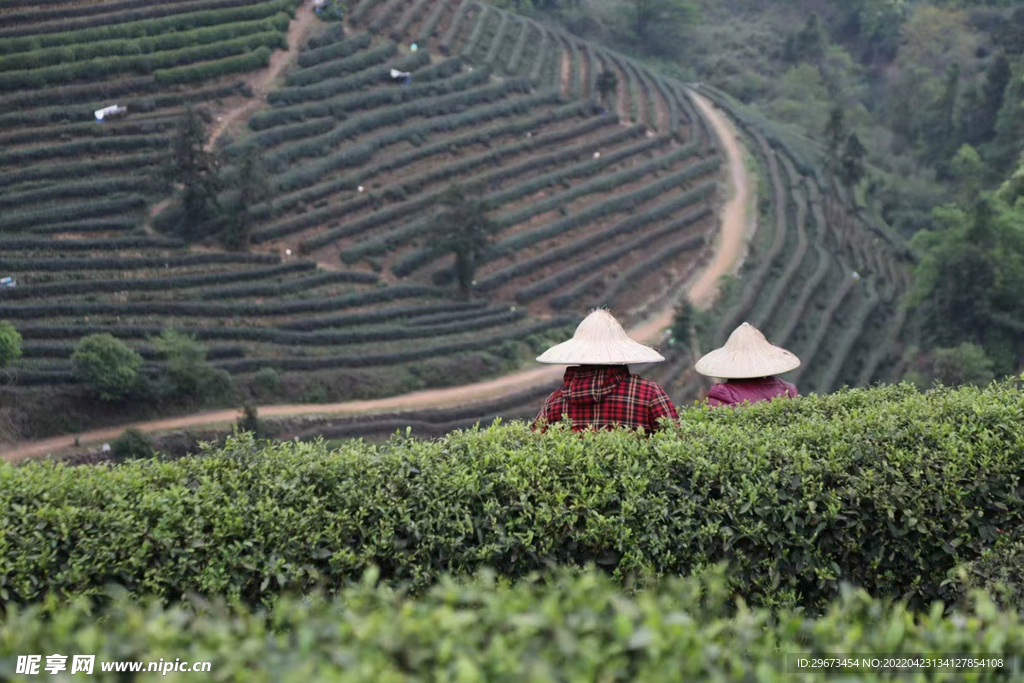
(729, 252)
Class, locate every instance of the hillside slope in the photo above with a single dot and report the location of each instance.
(597, 206)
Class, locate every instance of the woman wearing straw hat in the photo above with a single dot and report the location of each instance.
(598, 390)
(749, 363)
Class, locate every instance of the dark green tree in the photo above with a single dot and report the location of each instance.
(835, 135)
(464, 229)
(107, 365)
(964, 364)
(657, 24)
(251, 188)
(941, 137)
(1005, 149)
(10, 344)
(132, 445)
(851, 167)
(607, 85)
(981, 107)
(682, 322)
(806, 45)
(197, 170)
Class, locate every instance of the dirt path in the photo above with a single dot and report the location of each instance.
(736, 229)
(728, 256)
(566, 70)
(281, 59)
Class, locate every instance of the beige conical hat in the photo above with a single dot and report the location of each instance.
(600, 340)
(746, 355)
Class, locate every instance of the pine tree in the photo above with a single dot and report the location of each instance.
(835, 134)
(607, 84)
(252, 187)
(196, 168)
(851, 168)
(464, 229)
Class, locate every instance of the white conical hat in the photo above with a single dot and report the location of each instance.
(600, 340)
(746, 355)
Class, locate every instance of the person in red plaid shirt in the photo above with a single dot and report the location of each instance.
(599, 392)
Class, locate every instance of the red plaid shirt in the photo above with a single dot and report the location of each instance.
(604, 397)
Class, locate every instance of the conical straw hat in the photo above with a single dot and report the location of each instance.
(600, 340)
(746, 355)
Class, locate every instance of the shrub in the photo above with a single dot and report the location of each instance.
(132, 445)
(268, 380)
(10, 344)
(107, 365)
(885, 488)
(576, 626)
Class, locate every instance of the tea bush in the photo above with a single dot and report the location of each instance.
(575, 626)
(885, 488)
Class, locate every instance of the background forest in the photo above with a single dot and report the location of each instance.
(932, 89)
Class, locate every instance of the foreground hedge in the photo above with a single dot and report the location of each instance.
(576, 627)
(886, 488)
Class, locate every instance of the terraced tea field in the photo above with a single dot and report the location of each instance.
(598, 203)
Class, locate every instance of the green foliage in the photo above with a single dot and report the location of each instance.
(851, 167)
(251, 187)
(464, 229)
(196, 168)
(132, 445)
(682, 322)
(607, 85)
(969, 278)
(107, 365)
(251, 423)
(884, 488)
(574, 626)
(268, 380)
(965, 364)
(10, 344)
(184, 362)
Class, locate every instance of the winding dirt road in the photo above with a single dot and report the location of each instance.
(728, 256)
(297, 32)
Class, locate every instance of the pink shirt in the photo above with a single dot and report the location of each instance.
(735, 392)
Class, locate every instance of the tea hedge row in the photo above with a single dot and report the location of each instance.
(301, 284)
(401, 235)
(168, 41)
(141, 284)
(342, 106)
(573, 626)
(207, 333)
(362, 152)
(76, 148)
(595, 263)
(159, 62)
(359, 335)
(479, 135)
(440, 105)
(96, 187)
(40, 14)
(100, 28)
(373, 75)
(353, 61)
(629, 225)
(338, 47)
(19, 220)
(46, 244)
(203, 309)
(885, 488)
(198, 72)
(126, 263)
(112, 224)
(389, 358)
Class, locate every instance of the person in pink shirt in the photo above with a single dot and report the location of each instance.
(748, 362)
